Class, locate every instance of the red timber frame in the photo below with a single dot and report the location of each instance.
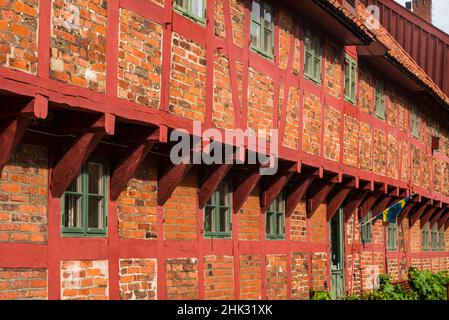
(371, 190)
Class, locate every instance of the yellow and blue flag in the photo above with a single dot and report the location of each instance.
(391, 213)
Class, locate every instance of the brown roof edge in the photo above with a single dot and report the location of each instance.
(395, 53)
(347, 18)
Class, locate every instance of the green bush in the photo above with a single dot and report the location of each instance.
(424, 285)
(320, 295)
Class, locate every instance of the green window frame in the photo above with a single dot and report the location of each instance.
(312, 57)
(392, 236)
(84, 203)
(262, 28)
(441, 244)
(367, 228)
(434, 235)
(275, 219)
(217, 213)
(415, 122)
(379, 101)
(192, 9)
(350, 80)
(425, 239)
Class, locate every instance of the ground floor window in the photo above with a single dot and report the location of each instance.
(84, 208)
(425, 237)
(367, 229)
(392, 236)
(275, 219)
(217, 213)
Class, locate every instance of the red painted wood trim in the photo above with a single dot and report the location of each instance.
(166, 54)
(296, 194)
(417, 214)
(437, 217)
(12, 131)
(127, 166)
(112, 47)
(244, 188)
(211, 183)
(43, 64)
(274, 188)
(73, 160)
(336, 201)
(170, 180)
(354, 203)
(427, 215)
(320, 196)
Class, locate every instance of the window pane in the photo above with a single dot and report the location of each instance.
(308, 42)
(95, 171)
(209, 219)
(268, 15)
(198, 8)
(76, 185)
(95, 214)
(353, 91)
(308, 64)
(224, 220)
(317, 69)
(279, 224)
(255, 11)
(223, 194)
(255, 35)
(181, 3)
(268, 43)
(268, 224)
(72, 211)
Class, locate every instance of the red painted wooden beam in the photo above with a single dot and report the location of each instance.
(212, 182)
(170, 180)
(320, 196)
(296, 193)
(244, 188)
(13, 128)
(274, 188)
(417, 214)
(405, 211)
(354, 203)
(336, 201)
(443, 219)
(437, 216)
(369, 202)
(73, 160)
(382, 205)
(130, 162)
(427, 215)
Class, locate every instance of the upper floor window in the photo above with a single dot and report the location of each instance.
(312, 57)
(217, 213)
(367, 230)
(425, 239)
(379, 101)
(275, 219)
(350, 80)
(262, 28)
(415, 123)
(392, 236)
(193, 9)
(84, 209)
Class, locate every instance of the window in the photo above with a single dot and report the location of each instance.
(367, 230)
(425, 230)
(350, 80)
(379, 101)
(84, 209)
(441, 238)
(312, 57)
(217, 213)
(415, 123)
(262, 29)
(193, 9)
(275, 216)
(392, 236)
(434, 237)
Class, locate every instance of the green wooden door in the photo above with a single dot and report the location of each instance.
(337, 264)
